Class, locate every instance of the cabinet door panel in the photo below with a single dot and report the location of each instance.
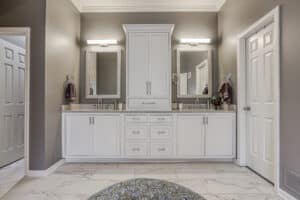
(79, 135)
(219, 136)
(138, 71)
(107, 135)
(159, 65)
(190, 136)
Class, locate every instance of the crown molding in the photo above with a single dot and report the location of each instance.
(221, 4)
(105, 6)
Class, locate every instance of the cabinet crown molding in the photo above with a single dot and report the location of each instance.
(149, 28)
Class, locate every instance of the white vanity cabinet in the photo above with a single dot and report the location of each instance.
(148, 68)
(220, 135)
(190, 136)
(130, 136)
(79, 135)
(206, 135)
(92, 135)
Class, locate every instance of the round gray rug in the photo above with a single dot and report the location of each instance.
(146, 189)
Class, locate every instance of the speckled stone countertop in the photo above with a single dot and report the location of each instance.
(89, 108)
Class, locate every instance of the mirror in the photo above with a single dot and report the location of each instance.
(194, 72)
(103, 68)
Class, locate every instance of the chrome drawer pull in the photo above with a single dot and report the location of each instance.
(161, 119)
(135, 149)
(149, 103)
(136, 132)
(161, 132)
(136, 118)
(161, 149)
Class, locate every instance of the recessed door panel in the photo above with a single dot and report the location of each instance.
(138, 74)
(159, 65)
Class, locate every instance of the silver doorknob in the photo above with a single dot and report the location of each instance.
(247, 108)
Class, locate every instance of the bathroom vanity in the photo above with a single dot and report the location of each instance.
(148, 129)
(108, 135)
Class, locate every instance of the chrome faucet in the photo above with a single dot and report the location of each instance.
(99, 103)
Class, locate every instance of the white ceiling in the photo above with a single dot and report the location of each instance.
(148, 5)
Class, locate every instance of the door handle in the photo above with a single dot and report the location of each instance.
(150, 86)
(247, 108)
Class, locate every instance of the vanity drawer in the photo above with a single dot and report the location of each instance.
(161, 149)
(136, 149)
(161, 132)
(153, 104)
(137, 118)
(161, 119)
(137, 132)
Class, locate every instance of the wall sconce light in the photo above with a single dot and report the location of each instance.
(102, 42)
(195, 41)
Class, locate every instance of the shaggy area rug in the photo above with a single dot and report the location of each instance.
(146, 189)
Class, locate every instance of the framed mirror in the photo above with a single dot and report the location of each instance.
(194, 72)
(103, 73)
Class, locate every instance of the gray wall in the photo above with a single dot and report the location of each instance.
(109, 25)
(62, 58)
(235, 17)
(31, 13)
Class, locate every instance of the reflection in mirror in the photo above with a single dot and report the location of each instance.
(194, 72)
(103, 74)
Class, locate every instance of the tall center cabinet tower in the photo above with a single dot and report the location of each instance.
(148, 66)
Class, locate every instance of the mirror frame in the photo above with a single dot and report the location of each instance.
(109, 49)
(199, 48)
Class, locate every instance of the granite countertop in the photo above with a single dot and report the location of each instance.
(85, 108)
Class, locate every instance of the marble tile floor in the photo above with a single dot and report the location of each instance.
(11, 175)
(214, 181)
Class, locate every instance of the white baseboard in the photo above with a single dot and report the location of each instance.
(286, 196)
(50, 170)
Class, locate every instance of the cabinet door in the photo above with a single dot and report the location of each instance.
(190, 136)
(107, 135)
(138, 70)
(219, 137)
(79, 131)
(160, 67)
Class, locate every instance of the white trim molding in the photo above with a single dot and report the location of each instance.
(286, 196)
(273, 16)
(47, 172)
(148, 6)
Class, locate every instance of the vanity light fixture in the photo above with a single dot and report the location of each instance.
(195, 40)
(102, 42)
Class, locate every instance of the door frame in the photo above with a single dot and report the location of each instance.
(24, 31)
(272, 16)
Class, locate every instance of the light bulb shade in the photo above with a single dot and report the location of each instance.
(101, 42)
(195, 40)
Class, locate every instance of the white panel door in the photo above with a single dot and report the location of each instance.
(260, 96)
(107, 136)
(79, 130)
(138, 71)
(160, 70)
(12, 81)
(219, 136)
(190, 140)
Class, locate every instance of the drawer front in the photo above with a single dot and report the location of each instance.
(161, 149)
(137, 118)
(161, 132)
(137, 149)
(151, 104)
(161, 119)
(137, 132)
